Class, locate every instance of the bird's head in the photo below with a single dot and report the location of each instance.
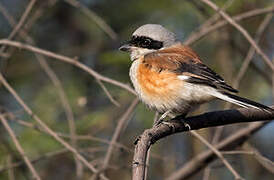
(148, 38)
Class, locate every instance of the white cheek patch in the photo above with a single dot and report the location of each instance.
(183, 77)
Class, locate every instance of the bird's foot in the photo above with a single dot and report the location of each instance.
(161, 119)
(187, 126)
(182, 119)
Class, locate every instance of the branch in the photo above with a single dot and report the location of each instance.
(55, 80)
(119, 128)
(45, 127)
(219, 154)
(176, 125)
(93, 16)
(242, 31)
(202, 32)
(67, 60)
(19, 148)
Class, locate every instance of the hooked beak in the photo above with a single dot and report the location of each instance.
(126, 47)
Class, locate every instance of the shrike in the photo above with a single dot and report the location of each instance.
(171, 78)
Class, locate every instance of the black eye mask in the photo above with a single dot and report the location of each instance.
(145, 42)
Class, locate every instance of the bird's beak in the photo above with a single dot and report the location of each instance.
(126, 47)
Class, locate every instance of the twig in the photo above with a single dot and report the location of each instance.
(46, 156)
(68, 60)
(19, 148)
(46, 128)
(237, 80)
(209, 22)
(200, 161)
(107, 93)
(78, 137)
(97, 19)
(242, 31)
(251, 50)
(50, 72)
(56, 82)
(11, 170)
(217, 152)
(237, 152)
(266, 163)
(122, 121)
(203, 32)
(21, 21)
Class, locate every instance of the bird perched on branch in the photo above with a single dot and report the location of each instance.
(171, 78)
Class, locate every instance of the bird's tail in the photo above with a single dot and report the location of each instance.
(246, 103)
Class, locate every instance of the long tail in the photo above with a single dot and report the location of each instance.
(246, 103)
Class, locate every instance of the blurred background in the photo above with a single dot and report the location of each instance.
(86, 111)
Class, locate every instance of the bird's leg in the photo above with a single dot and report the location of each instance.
(160, 120)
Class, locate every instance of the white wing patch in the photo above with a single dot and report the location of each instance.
(183, 77)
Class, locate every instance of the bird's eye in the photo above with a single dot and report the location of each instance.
(146, 42)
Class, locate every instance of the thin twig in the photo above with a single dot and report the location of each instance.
(11, 170)
(242, 31)
(48, 155)
(56, 82)
(218, 153)
(19, 148)
(21, 21)
(266, 163)
(46, 128)
(12, 117)
(107, 93)
(122, 121)
(238, 78)
(209, 22)
(202, 159)
(97, 19)
(68, 60)
(251, 50)
(203, 32)
(53, 77)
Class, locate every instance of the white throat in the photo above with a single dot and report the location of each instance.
(138, 52)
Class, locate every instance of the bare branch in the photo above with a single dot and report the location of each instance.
(251, 51)
(68, 60)
(203, 32)
(97, 19)
(108, 93)
(19, 148)
(242, 31)
(21, 21)
(211, 119)
(209, 22)
(46, 128)
(56, 82)
(122, 121)
(219, 154)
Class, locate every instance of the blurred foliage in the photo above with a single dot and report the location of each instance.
(65, 30)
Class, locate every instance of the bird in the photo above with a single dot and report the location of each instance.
(171, 78)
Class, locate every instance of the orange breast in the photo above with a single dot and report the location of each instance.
(159, 85)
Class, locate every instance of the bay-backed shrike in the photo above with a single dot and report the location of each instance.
(170, 77)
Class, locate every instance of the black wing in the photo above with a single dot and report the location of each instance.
(201, 74)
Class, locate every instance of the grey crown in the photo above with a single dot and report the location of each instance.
(156, 32)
